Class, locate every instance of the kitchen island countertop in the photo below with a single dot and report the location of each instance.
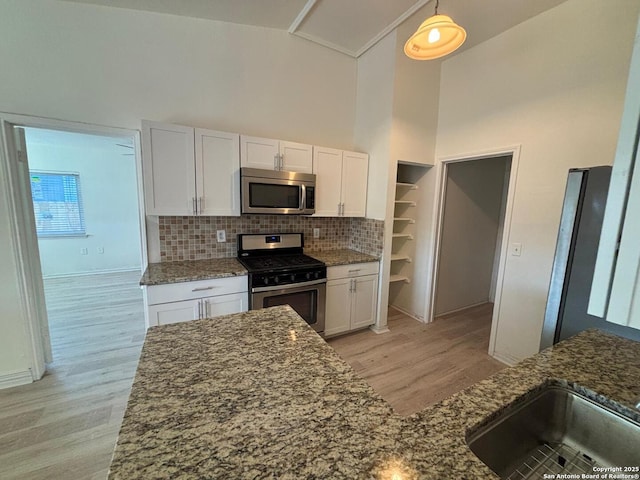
(260, 395)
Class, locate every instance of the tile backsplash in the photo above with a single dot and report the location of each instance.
(194, 238)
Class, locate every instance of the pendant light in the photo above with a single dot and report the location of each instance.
(436, 37)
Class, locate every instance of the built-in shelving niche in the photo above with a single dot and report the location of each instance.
(410, 205)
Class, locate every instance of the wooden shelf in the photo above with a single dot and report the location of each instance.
(404, 219)
(406, 202)
(403, 235)
(410, 186)
(398, 257)
(399, 278)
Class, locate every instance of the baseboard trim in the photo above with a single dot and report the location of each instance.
(15, 379)
(379, 330)
(408, 313)
(507, 361)
(461, 309)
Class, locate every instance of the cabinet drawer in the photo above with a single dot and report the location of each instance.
(174, 292)
(353, 270)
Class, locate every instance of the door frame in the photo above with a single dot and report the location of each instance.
(441, 182)
(18, 229)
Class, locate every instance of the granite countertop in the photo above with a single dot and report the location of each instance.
(260, 395)
(341, 257)
(191, 270)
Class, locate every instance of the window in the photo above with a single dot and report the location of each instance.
(57, 204)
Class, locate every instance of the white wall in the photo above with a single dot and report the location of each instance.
(108, 188)
(112, 66)
(556, 87)
(470, 226)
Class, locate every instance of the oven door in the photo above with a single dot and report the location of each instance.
(307, 299)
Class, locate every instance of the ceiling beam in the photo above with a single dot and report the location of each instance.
(302, 15)
(413, 9)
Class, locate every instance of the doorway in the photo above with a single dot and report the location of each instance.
(74, 196)
(84, 196)
(476, 199)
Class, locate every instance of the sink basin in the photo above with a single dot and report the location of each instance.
(553, 431)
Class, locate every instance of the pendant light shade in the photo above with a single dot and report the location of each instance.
(436, 37)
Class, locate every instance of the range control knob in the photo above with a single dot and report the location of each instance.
(265, 280)
(308, 275)
(317, 274)
(293, 277)
(276, 279)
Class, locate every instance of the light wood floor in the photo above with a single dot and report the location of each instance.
(65, 426)
(417, 364)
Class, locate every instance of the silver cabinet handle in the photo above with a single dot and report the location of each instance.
(199, 309)
(202, 289)
(355, 270)
(355, 285)
(195, 206)
(201, 205)
(339, 209)
(350, 285)
(208, 305)
(276, 162)
(281, 161)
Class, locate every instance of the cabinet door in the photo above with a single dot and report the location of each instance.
(364, 300)
(327, 165)
(296, 157)
(217, 172)
(256, 152)
(168, 169)
(355, 169)
(338, 312)
(174, 312)
(225, 305)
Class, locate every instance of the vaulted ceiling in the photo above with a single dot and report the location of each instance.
(348, 26)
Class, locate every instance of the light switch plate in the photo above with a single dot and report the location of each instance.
(221, 235)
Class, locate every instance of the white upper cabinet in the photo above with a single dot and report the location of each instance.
(615, 292)
(217, 172)
(256, 152)
(355, 170)
(190, 171)
(169, 173)
(265, 153)
(296, 157)
(341, 182)
(327, 165)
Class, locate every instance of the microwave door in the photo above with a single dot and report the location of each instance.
(260, 195)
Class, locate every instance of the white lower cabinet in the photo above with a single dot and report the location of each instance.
(185, 301)
(352, 297)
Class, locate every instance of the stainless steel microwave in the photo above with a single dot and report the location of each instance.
(276, 192)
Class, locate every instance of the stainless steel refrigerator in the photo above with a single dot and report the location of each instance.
(573, 266)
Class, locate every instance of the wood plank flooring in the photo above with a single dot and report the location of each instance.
(417, 364)
(65, 426)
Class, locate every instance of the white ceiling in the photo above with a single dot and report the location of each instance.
(349, 26)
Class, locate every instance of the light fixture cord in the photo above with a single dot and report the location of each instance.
(437, 3)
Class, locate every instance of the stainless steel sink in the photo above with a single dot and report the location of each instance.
(556, 431)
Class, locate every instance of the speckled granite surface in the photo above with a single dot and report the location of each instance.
(259, 395)
(341, 257)
(191, 270)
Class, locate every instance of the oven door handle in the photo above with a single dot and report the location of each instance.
(289, 285)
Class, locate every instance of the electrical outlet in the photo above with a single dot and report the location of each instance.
(100, 250)
(221, 235)
(316, 233)
(84, 251)
(516, 249)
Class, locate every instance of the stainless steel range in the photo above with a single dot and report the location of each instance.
(280, 274)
